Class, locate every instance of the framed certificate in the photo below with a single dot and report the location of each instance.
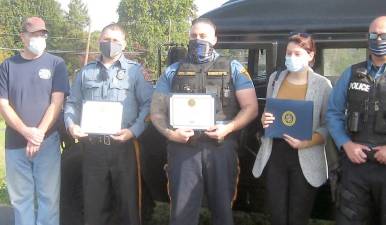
(195, 111)
(99, 117)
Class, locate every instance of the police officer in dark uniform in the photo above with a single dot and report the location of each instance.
(357, 122)
(204, 161)
(110, 162)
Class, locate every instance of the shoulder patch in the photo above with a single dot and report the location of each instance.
(245, 73)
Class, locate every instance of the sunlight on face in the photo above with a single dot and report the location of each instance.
(203, 31)
(115, 36)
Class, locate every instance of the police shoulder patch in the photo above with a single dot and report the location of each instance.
(245, 73)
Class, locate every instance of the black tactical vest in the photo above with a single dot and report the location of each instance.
(211, 78)
(366, 104)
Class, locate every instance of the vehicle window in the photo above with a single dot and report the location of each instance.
(335, 61)
(260, 74)
(240, 55)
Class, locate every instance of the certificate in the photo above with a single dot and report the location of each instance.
(292, 117)
(100, 117)
(195, 111)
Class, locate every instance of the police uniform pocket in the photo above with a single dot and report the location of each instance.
(120, 89)
(92, 89)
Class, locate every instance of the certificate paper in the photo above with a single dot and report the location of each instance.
(101, 117)
(195, 111)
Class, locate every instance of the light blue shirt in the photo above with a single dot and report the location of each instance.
(337, 104)
(122, 82)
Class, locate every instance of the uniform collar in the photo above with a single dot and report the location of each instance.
(374, 70)
(121, 62)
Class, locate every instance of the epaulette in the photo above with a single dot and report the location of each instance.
(132, 62)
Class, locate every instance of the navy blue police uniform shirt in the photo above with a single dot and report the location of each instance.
(28, 85)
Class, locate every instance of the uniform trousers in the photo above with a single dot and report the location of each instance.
(110, 184)
(202, 167)
(362, 193)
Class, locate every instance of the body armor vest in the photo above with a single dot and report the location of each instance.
(366, 104)
(209, 78)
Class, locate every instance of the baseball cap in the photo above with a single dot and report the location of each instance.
(33, 24)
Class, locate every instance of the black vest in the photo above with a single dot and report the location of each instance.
(366, 104)
(211, 78)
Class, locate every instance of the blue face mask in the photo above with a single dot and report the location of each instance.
(377, 47)
(200, 51)
(295, 63)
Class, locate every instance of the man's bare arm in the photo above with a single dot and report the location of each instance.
(159, 118)
(52, 112)
(158, 112)
(32, 134)
(249, 109)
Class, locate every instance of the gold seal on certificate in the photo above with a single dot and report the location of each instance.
(195, 111)
(100, 117)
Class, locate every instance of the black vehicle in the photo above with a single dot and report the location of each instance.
(255, 33)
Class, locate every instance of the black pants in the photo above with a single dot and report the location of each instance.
(71, 192)
(205, 167)
(110, 184)
(362, 193)
(290, 196)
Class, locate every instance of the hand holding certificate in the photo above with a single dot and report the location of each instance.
(292, 117)
(194, 111)
(101, 117)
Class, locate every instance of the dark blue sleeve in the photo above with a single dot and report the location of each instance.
(143, 93)
(164, 83)
(240, 76)
(60, 78)
(4, 80)
(335, 115)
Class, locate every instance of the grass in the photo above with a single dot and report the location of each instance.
(3, 189)
(161, 214)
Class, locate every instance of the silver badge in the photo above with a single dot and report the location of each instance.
(121, 74)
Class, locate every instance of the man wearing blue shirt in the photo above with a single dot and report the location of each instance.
(110, 173)
(204, 161)
(356, 119)
(33, 85)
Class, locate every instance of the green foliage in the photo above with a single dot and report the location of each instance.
(76, 21)
(66, 29)
(14, 11)
(345, 57)
(150, 23)
(161, 214)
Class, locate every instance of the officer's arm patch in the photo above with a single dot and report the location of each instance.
(245, 73)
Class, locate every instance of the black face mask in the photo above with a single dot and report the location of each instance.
(110, 49)
(200, 51)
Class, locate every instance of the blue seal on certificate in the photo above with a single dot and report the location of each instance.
(292, 117)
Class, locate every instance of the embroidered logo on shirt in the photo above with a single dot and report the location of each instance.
(45, 74)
